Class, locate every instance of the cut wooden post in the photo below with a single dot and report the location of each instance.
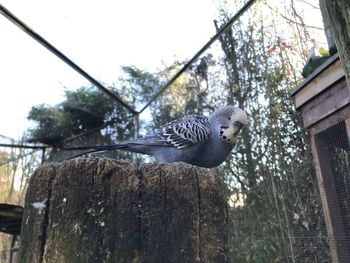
(104, 210)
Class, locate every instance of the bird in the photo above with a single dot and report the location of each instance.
(204, 141)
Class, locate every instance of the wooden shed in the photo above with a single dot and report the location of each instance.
(323, 100)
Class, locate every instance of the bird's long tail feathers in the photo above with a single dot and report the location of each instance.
(99, 148)
(130, 146)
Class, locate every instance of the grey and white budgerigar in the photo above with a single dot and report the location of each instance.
(197, 140)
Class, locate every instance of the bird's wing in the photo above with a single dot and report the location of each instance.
(185, 132)
(179, 134)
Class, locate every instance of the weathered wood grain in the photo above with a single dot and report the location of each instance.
(104, 210)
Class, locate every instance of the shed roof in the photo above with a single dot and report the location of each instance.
(314, 74)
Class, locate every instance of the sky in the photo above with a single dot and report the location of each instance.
(99, 36)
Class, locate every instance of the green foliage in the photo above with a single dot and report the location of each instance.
(138, 86)
(50, 124)
(187, 95)
(83, 110)
(86, 109)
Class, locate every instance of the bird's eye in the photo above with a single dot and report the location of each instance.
(238, 124)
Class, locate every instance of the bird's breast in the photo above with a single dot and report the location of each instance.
(212, 154)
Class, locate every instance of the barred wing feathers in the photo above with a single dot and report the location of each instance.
(186, 131)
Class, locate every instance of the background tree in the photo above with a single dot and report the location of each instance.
(271, 175)
(82, 119)
(83, 110)
(16, 166)
(336, 15)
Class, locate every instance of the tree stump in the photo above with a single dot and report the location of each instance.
(104, 210)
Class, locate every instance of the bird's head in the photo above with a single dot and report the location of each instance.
(227, 122)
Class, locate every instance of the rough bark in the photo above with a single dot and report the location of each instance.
(104, 210)
(337, 13)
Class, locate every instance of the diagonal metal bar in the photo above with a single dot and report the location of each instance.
(245, 7)
(4, 11)
(23, 146)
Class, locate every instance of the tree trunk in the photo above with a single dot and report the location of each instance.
(104, 210)
(337, 14)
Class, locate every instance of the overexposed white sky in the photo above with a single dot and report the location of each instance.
(100, 36)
